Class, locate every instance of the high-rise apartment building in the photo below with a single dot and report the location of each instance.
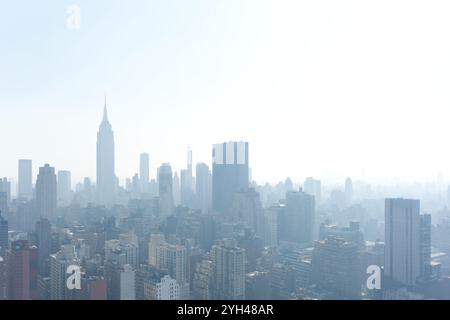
(229, 270)
(298, 217)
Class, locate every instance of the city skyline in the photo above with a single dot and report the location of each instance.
(298, 73)
(335, 181)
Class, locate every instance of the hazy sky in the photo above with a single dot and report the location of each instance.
(321, 88)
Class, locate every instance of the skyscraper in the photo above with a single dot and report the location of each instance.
(247, 209)
(186, 190)
(402, 240)
(46, 192)
(348, 190)
(106, 178)
(203, 187)
(64, 186)
(299, 217)
(25, 179)
(5, 186)
(176, 190)
(165, 190)
(230, 173)
(313, 187)
(144, 172)
(173, 258)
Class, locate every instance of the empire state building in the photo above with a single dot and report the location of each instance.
(106, 178)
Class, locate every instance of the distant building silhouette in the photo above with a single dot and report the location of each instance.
(25, 188)
(46, 192)
(313, 187)
(106, 178)
(203, 180)
(165, 190)
(64, 187)
(230, 173)
(144, 172)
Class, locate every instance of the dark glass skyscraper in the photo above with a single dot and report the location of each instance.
(230, 173)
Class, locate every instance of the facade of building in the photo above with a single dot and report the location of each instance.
(402, 240)
(59, 263)
(46, 193)
(25, 188)
(144, 173)
(230, 173)
(229, 270)
(203, 187)
(165, 190)
(18, 271)
(335, 268)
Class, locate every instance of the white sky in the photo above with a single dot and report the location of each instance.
(319, 88)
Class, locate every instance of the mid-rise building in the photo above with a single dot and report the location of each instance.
(229, 270)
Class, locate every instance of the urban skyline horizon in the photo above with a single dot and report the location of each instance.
(245, 151)
(331, 181)
(301, 91)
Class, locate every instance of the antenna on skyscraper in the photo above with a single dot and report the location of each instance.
(105, 111)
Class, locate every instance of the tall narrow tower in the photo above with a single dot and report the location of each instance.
(144, 172)
(106, 178)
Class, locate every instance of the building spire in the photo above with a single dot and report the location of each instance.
(105, 112)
